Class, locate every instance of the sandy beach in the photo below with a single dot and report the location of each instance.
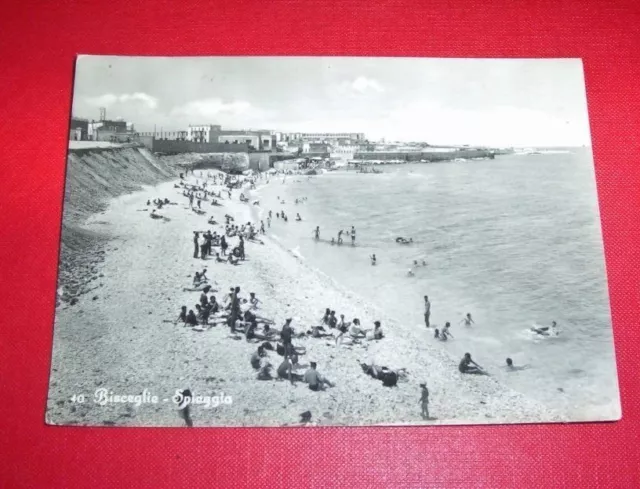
(117, 338)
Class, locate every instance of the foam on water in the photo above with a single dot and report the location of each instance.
(515, 241)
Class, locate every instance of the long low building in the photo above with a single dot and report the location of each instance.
(407, 156)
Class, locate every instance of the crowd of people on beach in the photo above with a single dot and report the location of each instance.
(242, 314)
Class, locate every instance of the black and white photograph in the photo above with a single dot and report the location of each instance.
(330, 241)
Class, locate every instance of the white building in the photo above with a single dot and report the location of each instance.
(206, 133)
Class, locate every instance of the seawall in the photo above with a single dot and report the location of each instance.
(429, 156)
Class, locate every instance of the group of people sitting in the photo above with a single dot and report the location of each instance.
(344, 332)
(159, 202)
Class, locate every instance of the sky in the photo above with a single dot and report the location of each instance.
(491, 102)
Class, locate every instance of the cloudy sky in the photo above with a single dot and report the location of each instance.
(441, 101)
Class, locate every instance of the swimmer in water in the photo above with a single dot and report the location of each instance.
(547, 330)
(512, 368)
(467, 320)
(340, 236)
(402, 240)
(298, 218)
(373, 259)
(333, 241)
(410, 272)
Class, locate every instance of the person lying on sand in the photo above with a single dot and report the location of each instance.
(233, 260)
(314, 379)
(318, 332)
(200, 288)
(388, 377)
(468, 366)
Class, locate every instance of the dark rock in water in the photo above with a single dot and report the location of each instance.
(73, 301)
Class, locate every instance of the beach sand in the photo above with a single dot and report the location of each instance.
(114, 338)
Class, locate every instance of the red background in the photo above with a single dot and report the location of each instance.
(38, 42)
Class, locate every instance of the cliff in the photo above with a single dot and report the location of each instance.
(93, 177)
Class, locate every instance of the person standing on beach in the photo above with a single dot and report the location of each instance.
(241, 247)
(261, 227)
(183, 399)
(317, 232)
(285, 335)
(427, 311)
(203, 247)
(223, 246)
(424, 401)
(353, 236)
(235, 308)
(196, 246)
(373, 259)
(269, 220)
(340, 236)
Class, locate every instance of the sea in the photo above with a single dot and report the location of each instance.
(515, 241)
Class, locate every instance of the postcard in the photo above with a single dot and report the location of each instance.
(317, 241)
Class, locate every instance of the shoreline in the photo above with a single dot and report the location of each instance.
(148, 264)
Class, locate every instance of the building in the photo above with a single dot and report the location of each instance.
(326, 137)
(107, 130)
(259, 139)
(203, 133)
(315, 148)
(79, 129)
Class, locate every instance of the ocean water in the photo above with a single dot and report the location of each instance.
(515, 241)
